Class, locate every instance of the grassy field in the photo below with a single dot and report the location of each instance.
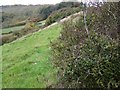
(27, 61)
(16, 28)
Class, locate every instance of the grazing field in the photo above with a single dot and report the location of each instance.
(7, 30)
(27, 61)
(17, 28)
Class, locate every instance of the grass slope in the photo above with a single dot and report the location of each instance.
(26, 62)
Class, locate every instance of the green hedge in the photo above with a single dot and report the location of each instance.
(89, 60)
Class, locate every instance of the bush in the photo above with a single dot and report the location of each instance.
(88, 60)
(60, 14)
(7, 38)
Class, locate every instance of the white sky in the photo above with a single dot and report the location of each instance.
(26, 2)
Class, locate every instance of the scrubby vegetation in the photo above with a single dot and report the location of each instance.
(60, 14)
(89, 59)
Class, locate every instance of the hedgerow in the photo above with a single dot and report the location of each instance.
(60, 14)
(89, 60)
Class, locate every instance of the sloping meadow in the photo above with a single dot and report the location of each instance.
(26, 62)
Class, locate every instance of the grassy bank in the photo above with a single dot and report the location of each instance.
(26, 62)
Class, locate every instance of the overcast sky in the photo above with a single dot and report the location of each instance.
(27, 2)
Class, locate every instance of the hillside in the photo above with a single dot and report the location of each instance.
(28, 59)
(12, 16)
(26, 62)
(18, 14)
(20, 20)
(63, 46)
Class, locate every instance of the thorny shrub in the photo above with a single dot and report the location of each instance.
(89, 60)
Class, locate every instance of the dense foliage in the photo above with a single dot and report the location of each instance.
(60, 14)
(89, 60)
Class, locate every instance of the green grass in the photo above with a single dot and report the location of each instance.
(16, 28)
(27, 61)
